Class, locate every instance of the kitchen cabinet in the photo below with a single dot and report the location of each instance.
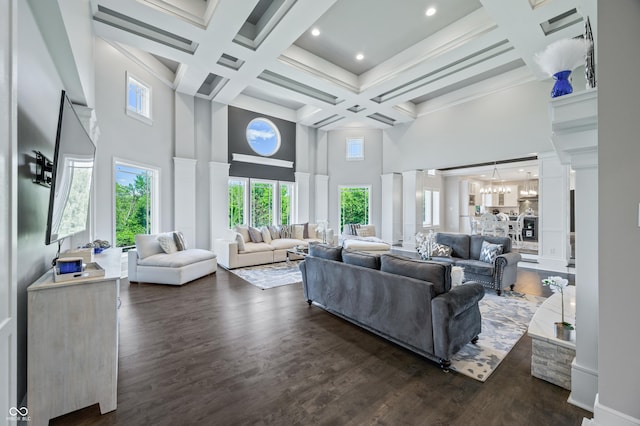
(508, 199)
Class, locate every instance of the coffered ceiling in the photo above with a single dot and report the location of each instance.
(412, 64)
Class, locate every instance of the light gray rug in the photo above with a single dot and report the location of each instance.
(505, 319)
(271, 275)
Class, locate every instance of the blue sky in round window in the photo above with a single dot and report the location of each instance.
(263, 136)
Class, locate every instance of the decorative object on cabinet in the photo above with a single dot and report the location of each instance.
(558, 285)
(590, 66)
(560, 58)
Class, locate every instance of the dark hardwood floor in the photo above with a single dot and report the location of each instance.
(219, 351)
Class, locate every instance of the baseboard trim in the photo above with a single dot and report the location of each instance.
(584, 386)
(604, 415)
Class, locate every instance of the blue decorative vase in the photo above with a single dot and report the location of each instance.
(562, 85)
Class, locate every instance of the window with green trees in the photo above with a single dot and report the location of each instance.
(354, 205)
(134, 203)
(260, 202)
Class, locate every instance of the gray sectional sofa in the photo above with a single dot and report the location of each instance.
(409, 302)
(466, 253)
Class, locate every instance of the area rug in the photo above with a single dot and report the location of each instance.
(505, 319)
(271, 275)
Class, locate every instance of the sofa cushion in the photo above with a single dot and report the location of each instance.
(325, 251)
(147, 245)
(366, 231)
(475, 244)
(459, 244)
(180, 240)
(311, 231)
(286, 243)
(177, 259)
(490, 252)
(255, 234)
(438, 274)
(298, 232)
(256, 247)
(167, 242)
(441, 250)
(476, 267)
(357, 258)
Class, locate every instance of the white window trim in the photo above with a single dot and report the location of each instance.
(155, 199)
(133, 114)
(350, 141)
(340, 187)
(430, 224)
(245, 201)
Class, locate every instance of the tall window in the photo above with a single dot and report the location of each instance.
(260, 202)
(135, 203)
(355, 205)
(138, 99)
(286, 203)
(237, 204)
(431, 204)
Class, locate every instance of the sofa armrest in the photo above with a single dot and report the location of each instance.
(132, 265)
(226, 252)
(509, 259)
(457, 300)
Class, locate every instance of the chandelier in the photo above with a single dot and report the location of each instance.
(529, 190)
(495, 189)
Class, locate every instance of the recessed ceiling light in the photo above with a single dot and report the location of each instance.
(521, 170)
(315, 32)
(359, 56)
(431, 11)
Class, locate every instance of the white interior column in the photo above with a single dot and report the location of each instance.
(219, 199)
(303, 187)
(391, 229)
(322, 197)
(8, 201)
(410, 182)
(553, 213)
(184, 195)
(574, 122)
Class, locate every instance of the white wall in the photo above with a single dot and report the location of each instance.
(129, 139)
(619, 195)
(509, 124)
(365, 172)
(202, 120)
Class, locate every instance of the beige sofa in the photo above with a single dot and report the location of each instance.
(237, 250)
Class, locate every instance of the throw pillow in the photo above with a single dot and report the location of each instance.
(167, 242)
(255, 235)
(311, 231)
(298, 232)
(266, 234)
(437, 273)
(305, 233)
(244, 231)
(366, 231)
(275, 232)
(441, 250)
(489, 252)
(240, 241)
(351, 228)
(147, 245)
(286, 231)
(181, 242)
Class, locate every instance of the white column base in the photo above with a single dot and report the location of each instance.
(605, 416)
(584, 386)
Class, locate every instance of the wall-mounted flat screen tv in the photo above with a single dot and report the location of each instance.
(72, 175)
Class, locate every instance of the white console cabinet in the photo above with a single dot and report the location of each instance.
(73, 342)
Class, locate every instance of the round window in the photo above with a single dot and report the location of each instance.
(263, 136)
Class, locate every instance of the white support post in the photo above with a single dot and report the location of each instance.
(303, 186)
(322, 197)
(391, 229)
(410, 186)
(184, 190)
(218, 199)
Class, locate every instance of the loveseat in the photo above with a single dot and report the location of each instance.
(466, 251)
(151, 263)
(239, 248)
(409, 302)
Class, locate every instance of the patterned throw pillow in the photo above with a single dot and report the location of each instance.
(255, 235)
(286, 231)
(490, 252)
(441, 250)
(167, 242)
(181, 242)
